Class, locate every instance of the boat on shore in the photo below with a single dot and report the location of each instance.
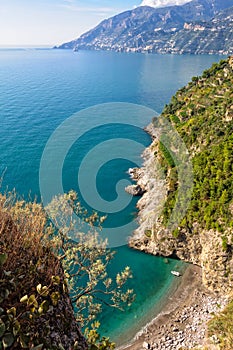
(176, 273)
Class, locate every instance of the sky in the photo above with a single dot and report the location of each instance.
(52, 22)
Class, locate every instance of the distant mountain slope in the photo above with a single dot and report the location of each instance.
(215, 36)
(160, 29)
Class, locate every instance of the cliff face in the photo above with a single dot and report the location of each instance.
(202, 114)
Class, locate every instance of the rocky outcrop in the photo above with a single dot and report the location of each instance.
(139, 188)
(135, 190)
(203, 248)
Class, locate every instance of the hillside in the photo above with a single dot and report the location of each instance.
(48, 281)
(202, 114)
(35, 307)
(196, 27)
(215, 36)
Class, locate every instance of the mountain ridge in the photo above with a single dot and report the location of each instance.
(147, 29)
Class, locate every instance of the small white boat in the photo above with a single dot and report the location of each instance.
(176, 273)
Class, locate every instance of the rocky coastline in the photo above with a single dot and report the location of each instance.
(203, 236)
(204, 290)
(200, 247)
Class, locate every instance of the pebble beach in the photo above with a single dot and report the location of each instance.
(183, 322)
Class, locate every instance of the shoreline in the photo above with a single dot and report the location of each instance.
(183, 318)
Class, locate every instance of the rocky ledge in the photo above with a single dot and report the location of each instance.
(138, 189)
(135, 190)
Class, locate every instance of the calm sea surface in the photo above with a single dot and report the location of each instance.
(40, 89)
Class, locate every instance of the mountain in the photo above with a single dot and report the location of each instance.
(169, 29)
(203, 37)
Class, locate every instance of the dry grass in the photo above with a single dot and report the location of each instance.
(30, 262)
(23, 237)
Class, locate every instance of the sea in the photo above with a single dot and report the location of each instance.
(74, 121)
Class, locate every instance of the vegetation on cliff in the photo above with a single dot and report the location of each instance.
(35, 308)
(202, 114)
(221, 328)
(48, 271)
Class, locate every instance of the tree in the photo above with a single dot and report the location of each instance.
(40, 261)
(85, 259)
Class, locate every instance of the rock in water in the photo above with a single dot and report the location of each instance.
(135, 190)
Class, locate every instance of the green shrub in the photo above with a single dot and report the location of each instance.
(148, 233)
(222, 327)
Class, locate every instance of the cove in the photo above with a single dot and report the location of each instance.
(41, 89)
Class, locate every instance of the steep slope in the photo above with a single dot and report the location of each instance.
(35, 307)
(147, 29)
(215, 36)
(202, 114)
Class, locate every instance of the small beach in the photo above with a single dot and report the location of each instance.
(182, 321)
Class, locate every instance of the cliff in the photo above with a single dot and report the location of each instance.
(202, 233)
(36, 310)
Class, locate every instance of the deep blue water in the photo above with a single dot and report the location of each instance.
(40, 90)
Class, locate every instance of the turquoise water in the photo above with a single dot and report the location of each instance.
(40, 89)
(151, 282)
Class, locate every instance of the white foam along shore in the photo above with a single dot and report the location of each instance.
(163, 304)
(187, 306)
(183, 319)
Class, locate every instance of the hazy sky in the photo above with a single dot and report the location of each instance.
(51, 22)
